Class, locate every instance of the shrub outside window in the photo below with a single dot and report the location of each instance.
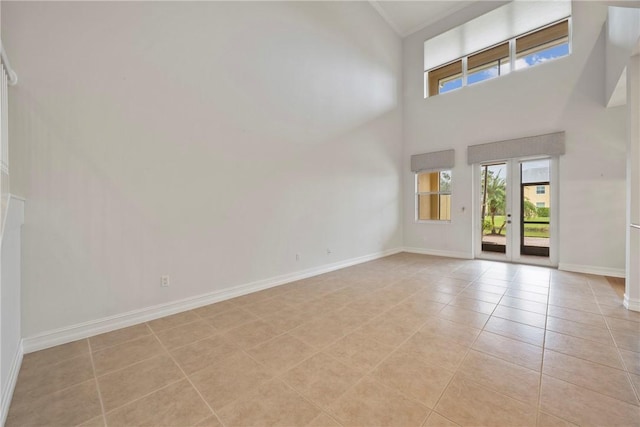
(433, 196)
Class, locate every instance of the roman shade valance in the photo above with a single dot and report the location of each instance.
(551, 144)
(437, 160)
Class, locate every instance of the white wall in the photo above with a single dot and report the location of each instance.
(563, 95)
(207, 141)
(623, 30)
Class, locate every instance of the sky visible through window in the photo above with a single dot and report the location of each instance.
(542, 56)
(521, 63)
(451, 85)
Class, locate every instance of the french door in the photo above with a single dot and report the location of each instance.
(517, 206)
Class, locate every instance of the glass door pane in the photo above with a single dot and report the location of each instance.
(493, 197)
(535, 203)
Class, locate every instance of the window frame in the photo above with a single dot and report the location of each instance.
(476, 61)
(519, 46)
(447, 71)
(429, 193)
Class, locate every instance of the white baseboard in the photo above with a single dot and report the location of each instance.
(10, 385)
(631, 304)
(111, 323)
(589, 269)
(435, 252)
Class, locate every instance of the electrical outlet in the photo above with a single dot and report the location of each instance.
(164, 281)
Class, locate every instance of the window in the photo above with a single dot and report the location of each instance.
(488, 64)
(433, 196)
(521, 52)
(540, 189)
(539, 204)
(446, 78)
(549, 43)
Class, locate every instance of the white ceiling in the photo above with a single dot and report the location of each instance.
(407, 17)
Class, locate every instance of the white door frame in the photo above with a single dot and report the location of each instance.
(513, 207)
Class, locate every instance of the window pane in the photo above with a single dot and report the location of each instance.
(505, 67)
(543, 45)
(445, 78)
(434, 207)
(428, 182)
(536, 171)
(447, 85)
(445, 207)
(535, 57)
(483, 73)
(488, 64)
(433, 182)
(553, 35)
(445, 181)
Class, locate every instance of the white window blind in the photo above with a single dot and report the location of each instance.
(503, 23)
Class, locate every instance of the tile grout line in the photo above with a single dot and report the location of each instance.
(544, 340)
(187, 378)
(620, 358)
(568, 382)
(139, 398)
(319, 350)
(95, 377)
(469, 348)
(309, 401)
(370, 371)
(543, 349)
(406, 340)
(126, 341)
(112, 371)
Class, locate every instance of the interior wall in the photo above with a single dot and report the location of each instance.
(208, 141)
(562, 95)
(623, 28)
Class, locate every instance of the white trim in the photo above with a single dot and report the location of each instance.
(106, 324)
(431, 20)
(20, 220)
(435, 18)
(385, 16)
(10, 385)
(436, 252)
(631, 304)
(591, 269)
(12, 76)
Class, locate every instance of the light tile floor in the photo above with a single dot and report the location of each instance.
(407, 340)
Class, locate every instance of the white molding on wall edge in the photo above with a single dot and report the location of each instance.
(436, 252)
(589, 269)
(107, 324)
(631, 304)
(7, 393)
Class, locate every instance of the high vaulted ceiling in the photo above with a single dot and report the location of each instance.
(407, 17)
